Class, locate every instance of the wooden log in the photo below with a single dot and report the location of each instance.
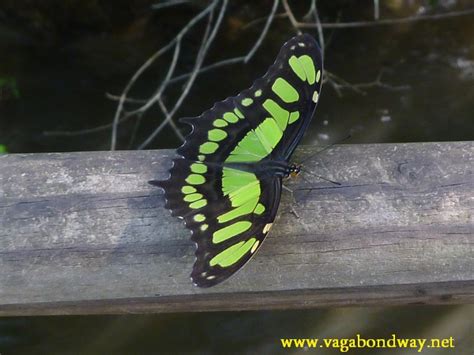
(84, 233)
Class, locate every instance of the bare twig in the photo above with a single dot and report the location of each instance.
(241, 59)
(94, 129)
(136, 126)
(290, 15)
(338, 83)
(77, 133)
(200, 58)
(127, 99)
(123, 96)
(389, 21)
(147, 64)
(163, 84)
(318, 26)
(161, 89)
(355, 24)
(264, 32)
(376, 10)
(312, 20)
(168, 4)
(210, 67)
(310, 12)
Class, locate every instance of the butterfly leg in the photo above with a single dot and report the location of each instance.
(292, 206)
(288, 189)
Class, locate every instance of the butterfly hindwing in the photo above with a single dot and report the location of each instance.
(220, 185)
(228, 246)
(228, 210)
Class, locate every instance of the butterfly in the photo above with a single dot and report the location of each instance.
(227, 179)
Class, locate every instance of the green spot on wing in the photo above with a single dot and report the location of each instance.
(216, 135)
(241, 195)
(220, 123)
(269, 133)
(195, 179)
(259, 209)
(247, 102)
(318, 76)
(239, 113)
(234, 180)
(285, 90)
(230, 231)
(188, 189)
(230, 117)
(258, 93)
(249, 149)
(277, 112)
(242, 210)
(308, 66)
(243, 190)
(294, 117)
(199, 217)
(232, 254)
(297, 67)
(198, 168)
(198, 204)
(208, 147)
(192, 197)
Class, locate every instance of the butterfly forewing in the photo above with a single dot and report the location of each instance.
(216, 185)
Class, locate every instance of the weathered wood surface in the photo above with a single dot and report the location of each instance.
(84, 233)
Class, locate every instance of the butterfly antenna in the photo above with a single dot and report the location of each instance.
(323, 178)
(326, 148)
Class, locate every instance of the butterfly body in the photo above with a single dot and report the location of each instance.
(266, 168)
(226, 183)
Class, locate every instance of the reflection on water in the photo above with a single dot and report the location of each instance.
(425, 93)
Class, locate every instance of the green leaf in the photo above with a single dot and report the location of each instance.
(3, 149)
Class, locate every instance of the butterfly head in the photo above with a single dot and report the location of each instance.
(294, 170)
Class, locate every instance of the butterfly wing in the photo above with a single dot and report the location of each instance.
(227, 228)
(216, 262)
(216, 186)
(267, 120)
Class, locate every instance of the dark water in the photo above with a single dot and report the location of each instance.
(236, 332)
(428, 67)
(62, 70)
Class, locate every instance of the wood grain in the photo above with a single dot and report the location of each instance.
(84, 233)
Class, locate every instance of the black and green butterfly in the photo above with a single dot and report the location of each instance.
(226, 183)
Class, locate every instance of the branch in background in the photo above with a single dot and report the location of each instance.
(311, 20)
(136, 126)
(242, 59)
(77, 133)
(206, 43)
(291, 16)
(157, 97)
(388, 21)
(315, 12)
(128, 99)
(338, 83)
(356, 24)
(168, 4)
(148, 63)
(376, 10)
